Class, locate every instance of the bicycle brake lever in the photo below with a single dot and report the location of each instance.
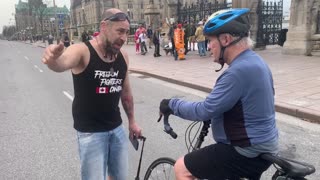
(160, 117)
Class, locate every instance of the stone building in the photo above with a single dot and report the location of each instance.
(86, 14)
(28, 23)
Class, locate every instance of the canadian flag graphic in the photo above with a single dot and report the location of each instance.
(102, 90)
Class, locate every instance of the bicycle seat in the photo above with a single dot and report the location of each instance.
(291, 167)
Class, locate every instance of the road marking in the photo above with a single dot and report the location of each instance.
(68, 95)
(38, 68)
(27, 58)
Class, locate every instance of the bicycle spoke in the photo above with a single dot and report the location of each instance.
(162, 172)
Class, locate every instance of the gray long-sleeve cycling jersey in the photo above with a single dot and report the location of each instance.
(241, 105)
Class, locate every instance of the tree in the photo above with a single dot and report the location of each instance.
(8, 31)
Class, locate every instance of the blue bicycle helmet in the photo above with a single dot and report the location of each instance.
(232, 21)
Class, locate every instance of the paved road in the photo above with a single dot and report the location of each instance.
(37, 140)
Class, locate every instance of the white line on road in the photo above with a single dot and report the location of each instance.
(26, 58)
(68, 95)
(38, 68)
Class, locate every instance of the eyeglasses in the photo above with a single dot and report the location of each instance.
(118, 17)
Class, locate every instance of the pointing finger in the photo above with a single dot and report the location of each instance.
(56, 49)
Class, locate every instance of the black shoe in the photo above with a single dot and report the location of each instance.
(159, 55)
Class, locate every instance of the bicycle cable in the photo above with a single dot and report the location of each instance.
(192, 125)
(185, 136)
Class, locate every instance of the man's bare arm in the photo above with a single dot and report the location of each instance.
(59, 60)
(128, 105)
(126, 94)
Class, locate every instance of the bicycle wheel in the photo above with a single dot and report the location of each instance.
(161, 168)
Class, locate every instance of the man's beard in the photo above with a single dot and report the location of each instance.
(111, 51)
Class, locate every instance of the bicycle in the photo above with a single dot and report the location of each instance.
(287, 169)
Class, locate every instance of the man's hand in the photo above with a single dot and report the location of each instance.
(134, 130)
(52, 52)
(164, 107)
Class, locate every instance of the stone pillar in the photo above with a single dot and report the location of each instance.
(152, 15)
(299, 33)
(253, 16)
(172, 9)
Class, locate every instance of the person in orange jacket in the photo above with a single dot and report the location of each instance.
(179, 42)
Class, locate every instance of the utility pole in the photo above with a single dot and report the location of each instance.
(56, 21)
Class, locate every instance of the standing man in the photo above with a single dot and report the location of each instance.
(84, 36)
(171, 39)
(156, 42)
(186, 27)
(200, 38)
(143, 39)
(50, 39)
(240, 107)
(149, 35)
(100, 75)
(66, 40)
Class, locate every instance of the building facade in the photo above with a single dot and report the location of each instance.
(29, 25)
(86, 14)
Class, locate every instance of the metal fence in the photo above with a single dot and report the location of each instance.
(200, 10)
(269, 23)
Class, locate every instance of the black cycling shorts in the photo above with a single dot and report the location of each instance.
(222, 161)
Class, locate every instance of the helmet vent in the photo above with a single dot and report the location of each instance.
(225, 16)
(210, 25)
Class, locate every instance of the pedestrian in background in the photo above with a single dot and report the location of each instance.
(156, 42)
(149, 35)
(84, 36)
(200, 38)
(186, 28)
(192, 39)
(50, 39)
(143, 39)
(137, 41)
(102, 140)
(66, 39)
(171, 38)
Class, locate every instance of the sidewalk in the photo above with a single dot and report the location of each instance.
(296, 78)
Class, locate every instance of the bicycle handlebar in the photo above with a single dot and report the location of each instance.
(167, 128)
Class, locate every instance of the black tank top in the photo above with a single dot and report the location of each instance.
(97, 89)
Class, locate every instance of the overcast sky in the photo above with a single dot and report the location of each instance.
(7, 9)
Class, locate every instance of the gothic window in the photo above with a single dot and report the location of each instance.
(141, 5)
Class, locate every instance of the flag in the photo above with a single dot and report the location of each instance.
(102, 90)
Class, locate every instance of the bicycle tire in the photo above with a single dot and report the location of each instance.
(163, 164)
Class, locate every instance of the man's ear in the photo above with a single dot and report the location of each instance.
(105, 24)
(226, 39)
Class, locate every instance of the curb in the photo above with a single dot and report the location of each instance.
(296, 111)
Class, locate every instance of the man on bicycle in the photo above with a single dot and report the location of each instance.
(240, 106)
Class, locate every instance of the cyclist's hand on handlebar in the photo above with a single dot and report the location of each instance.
(164, 107)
